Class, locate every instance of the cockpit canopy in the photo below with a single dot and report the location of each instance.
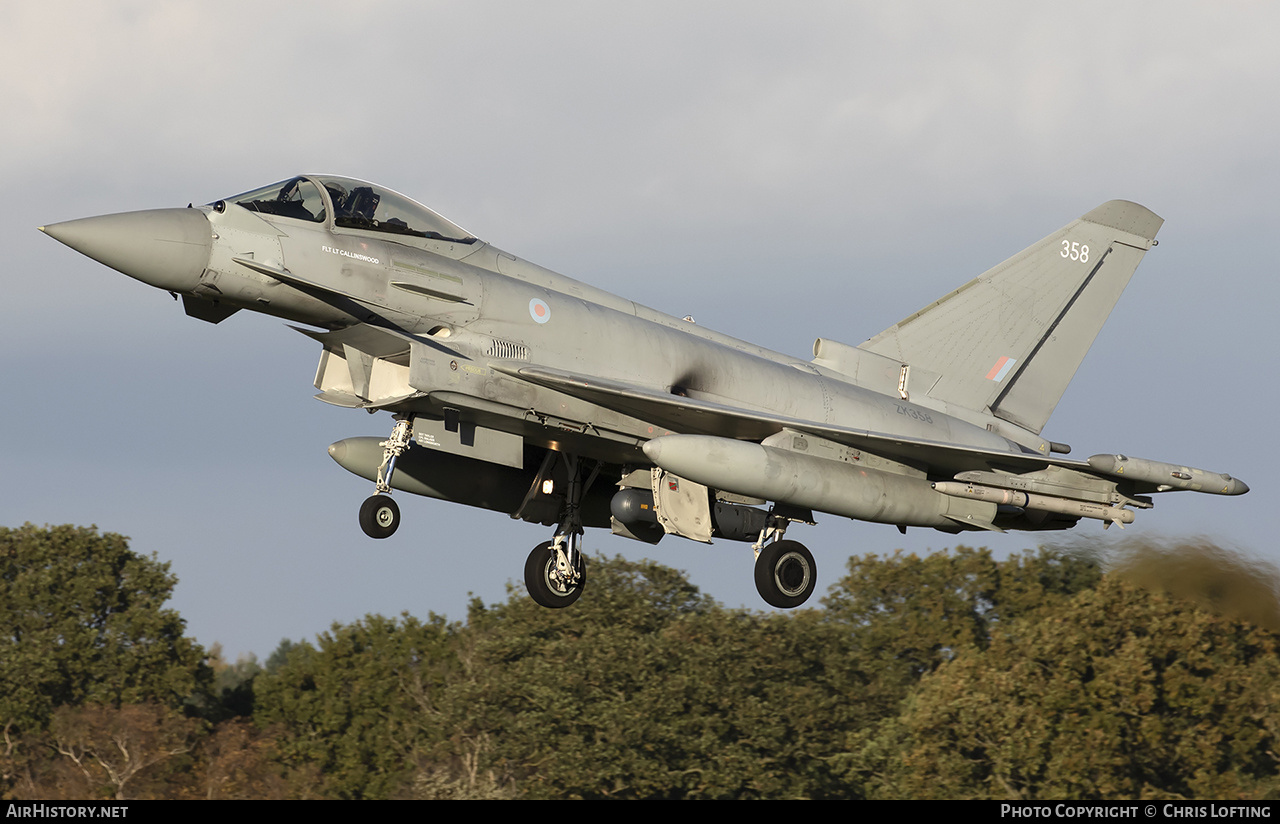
(354, 204)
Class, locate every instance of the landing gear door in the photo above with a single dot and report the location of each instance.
(684, 507)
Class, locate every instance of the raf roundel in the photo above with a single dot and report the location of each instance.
(539, 311)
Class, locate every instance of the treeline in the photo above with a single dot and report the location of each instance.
(949, 676)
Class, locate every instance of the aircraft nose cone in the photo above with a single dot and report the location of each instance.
(166, 248)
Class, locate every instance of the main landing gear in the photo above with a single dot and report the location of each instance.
(785, 570)
(556, 571)
(379, 514)
(551, 578)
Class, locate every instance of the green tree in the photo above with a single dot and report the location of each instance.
(907, 615)
(1117, 693)
(648, 689)
(645, 688)
(232, 684)
(750, 705)
(82, 621)
(559, 701)
(280, 655)
(358, 707)
(949, 675)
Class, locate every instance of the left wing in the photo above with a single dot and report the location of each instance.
(700, 417)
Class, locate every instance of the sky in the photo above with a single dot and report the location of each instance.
(781, 171)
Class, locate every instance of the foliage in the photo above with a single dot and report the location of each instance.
(237, 761)
(567, 702)
(111, 746)
(360, 703)
(232, 684)
(82, 621)
(905, 615)
(952, 675)
(1120, 693)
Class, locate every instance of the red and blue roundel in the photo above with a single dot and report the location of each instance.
(539, 311)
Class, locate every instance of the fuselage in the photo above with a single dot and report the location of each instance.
(492, 308)
(534, 394)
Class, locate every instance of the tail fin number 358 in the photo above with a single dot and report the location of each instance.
(1074, 251)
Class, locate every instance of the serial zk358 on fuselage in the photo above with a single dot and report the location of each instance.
(520, 390)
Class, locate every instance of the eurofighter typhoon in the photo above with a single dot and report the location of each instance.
(517, 389)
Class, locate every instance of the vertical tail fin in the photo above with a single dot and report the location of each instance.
(1009, 341)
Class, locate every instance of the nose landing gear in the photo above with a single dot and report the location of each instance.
(379, 514)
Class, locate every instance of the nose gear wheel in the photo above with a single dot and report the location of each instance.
(379, 516)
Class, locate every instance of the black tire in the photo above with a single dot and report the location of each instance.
(786, 574)
(379, 516)
(537, 579)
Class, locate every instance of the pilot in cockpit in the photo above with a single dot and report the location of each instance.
(361, 203)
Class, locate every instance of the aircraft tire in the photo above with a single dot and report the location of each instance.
(537, 579)
(379, 516)
(786, 574)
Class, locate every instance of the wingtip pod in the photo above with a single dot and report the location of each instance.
(1166, 476)
(1127, 217)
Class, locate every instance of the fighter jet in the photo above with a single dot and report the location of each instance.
(517, 389)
